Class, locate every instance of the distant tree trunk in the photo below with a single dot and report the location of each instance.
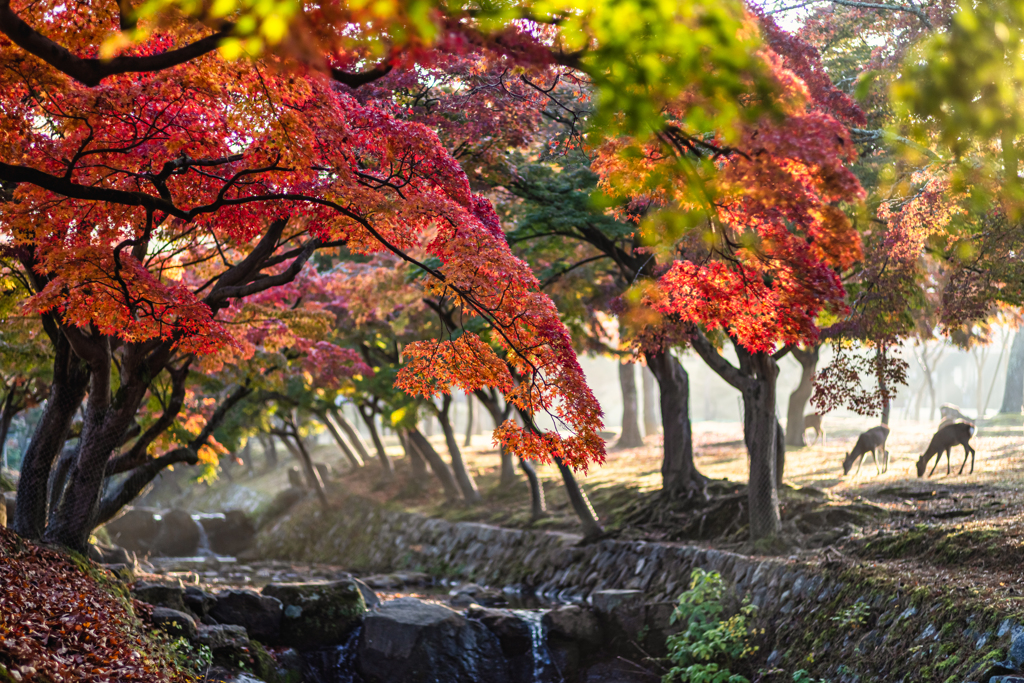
(295, 444)
(650, 414)
(499, 415)
(441, 471)
(679, 475)
(538, 506)
(780, 454)
(269, 451)
(11, 408)
(470, 418)
(1013, 393)
(508, 469)
(883, 388)
(367, 414)
(462, 475)
(247, 457)
(416, 461)
(352, 433)
(808, 360)
(580, 503)
(630, 436)
(353, 458)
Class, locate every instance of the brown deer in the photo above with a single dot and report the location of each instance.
(943, 441)
(950, 413)
(871, 441)
(813, 421)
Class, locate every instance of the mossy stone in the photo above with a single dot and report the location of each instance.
(318, 614)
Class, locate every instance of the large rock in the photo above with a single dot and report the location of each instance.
(175, 623)
(198, 601)
(230, 533)
(112, 554)
(134, 530)
(573, 623)
(317, 614)
(413, 641)
(178, 536)
(222, 637)
(259, 614)
(160, 594)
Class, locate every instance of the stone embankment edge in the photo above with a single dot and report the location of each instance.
(842, 621)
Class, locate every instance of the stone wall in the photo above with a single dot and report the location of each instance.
(844, 621)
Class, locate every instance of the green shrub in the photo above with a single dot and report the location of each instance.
(710, 646)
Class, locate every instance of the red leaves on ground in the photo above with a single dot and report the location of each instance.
(56, 624)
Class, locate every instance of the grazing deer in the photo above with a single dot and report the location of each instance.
(871, 441)
(943, 441)
(813, 421)
(950, 413)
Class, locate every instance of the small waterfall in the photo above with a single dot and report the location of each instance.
(544, 670)
(204, 541)
(333, 664)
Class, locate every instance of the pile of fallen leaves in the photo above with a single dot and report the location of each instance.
(59, 624)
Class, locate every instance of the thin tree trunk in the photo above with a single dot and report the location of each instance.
(420, 443)
(538, 506)
(462, 475)
(388, 467)
(312, 476)
(5, 423)
(353, 458)
(798, 399)
(269, 451)
(630, 436)
(579, 501)
(508, 468)
(470, 419)
(679, 475)
(995, 375)
(1013, 391)
(650, 411)
(352, 433)
(416, 461)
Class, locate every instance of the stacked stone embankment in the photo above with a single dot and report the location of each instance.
(840, 620)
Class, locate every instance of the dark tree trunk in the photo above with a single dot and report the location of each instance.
(579, 501)
(441, 471)
(801, 395)
(352, 433)
(780, 454)
(630, 436)
(353, 459)
(367, 414)
(462, 475)
(470, 418)
(70, 381)
(538, 506)
(761, 436)
(247, 457)
(756, 380)
(1013, 393)
(679, 475)
(650, 413)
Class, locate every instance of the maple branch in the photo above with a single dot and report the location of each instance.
(354, 80)
(726, 370)
(571, 268)
(91, 71)
(136, 455)
(910, 9)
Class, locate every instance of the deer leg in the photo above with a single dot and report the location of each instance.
(968, 451)
(948, 456)
(874, 459)
(938, 459)
(860, 461)
(885, 460)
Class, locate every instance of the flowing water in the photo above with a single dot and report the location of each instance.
(544, 670)
(332, 664)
